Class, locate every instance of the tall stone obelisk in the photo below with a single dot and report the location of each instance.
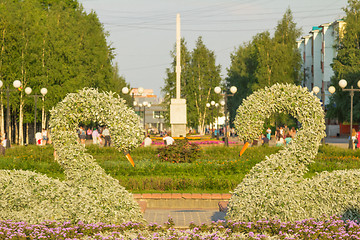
(178, 105)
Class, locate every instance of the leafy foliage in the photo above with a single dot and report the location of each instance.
(346, 64)
(182, 151)
(199, 76)
(265, 61)
(53, 44)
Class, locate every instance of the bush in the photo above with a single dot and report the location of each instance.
(182, 151)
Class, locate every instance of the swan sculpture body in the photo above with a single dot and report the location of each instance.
(275, 187)
(88, 193)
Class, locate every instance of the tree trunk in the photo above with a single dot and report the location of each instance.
(10, 128)
(2, 119)
(27, 133)
(21, 119)
(43, 115)
(16, 130)
(2, 126)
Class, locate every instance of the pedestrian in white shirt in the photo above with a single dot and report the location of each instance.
(168, 140)
(147, 141)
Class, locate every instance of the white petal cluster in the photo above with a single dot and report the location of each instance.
(88, 194)
(275, 188)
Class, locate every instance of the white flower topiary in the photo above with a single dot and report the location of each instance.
(275, 188)
(88, 193)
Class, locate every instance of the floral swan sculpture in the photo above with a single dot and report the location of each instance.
(87, 194)
(275, 187)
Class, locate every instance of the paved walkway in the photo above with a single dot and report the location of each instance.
(182, 218)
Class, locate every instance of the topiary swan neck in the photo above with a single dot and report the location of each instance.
(289, 164)
(88, 193)
(275, 188)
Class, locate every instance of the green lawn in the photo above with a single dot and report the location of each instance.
(219, 169)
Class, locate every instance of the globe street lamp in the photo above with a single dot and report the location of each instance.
(217, 120)
(17, 85)
(211, 107)
(233, 90)
(43, 92)
(208, 106)
(140, 106)
(145, 104)
(343, 84)
(316, 90)
(126, 90)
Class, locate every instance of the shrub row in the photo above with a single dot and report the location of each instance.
(218, 169)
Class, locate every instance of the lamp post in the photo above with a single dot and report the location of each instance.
(125, 90)
(217, 120)
(211, 107)
(342, 84)
(316, 90)
(208, 106)
(145, 104)
(233, 90)
(43, 92)
(16, 84)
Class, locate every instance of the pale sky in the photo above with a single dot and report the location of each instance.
(143, 32)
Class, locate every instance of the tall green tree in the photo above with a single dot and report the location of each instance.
(169, 89)
(288, 65)
(241, 74)
(199, 76)
(53, 44)
(265, 61)
(346, 64)
(204, 77)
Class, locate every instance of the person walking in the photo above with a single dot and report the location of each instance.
(358, 139)
(106, 134)
(89, 133)
(168, 140)
(147, 141)
(44, 135)
(353, 138)
(268, 133)
(95, 136)
(82, 135)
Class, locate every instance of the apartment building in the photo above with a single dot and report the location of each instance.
(150, 109)
(318, 51)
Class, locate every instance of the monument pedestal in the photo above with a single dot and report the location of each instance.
(178, 117)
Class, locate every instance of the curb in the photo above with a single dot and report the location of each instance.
(208, 196)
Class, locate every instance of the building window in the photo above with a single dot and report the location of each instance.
(158, 114)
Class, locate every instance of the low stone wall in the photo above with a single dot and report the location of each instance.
(180, 200)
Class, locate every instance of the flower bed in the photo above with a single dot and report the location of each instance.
(199, 142)
(329, 228)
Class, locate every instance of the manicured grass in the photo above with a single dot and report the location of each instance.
(219, 169)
